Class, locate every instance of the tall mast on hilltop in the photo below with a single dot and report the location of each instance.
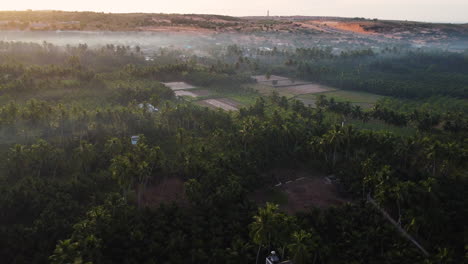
(268, 13)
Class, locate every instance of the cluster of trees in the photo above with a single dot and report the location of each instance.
(222, 157)
(401, 73)
(73, 186)
(424, 119)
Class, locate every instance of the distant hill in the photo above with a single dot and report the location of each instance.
(92, 21)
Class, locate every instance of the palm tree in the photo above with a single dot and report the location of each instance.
(263, 228)
(301, 247)
(334, 138)
(239, 252)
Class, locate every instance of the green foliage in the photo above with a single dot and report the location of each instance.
(302, 247)
(73, 189)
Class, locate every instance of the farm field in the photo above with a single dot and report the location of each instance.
(292, 91)
(229, 101)
(242, 98)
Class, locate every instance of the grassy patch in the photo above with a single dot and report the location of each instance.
(376, 125)
(435, 103)
(268, 90)
(244, 99)
(363, 99)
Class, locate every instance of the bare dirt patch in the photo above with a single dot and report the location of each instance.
(352, 27)
(300, 191)
(223, 103)
(310, 192)
(168, 190)
(179, 86)
(356, 28)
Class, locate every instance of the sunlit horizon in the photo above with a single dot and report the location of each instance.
(453, 11)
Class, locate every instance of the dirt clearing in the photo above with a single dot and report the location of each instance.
(300, 191)
(306, 193)
(351, 27)
(202, 93)
(167, 191)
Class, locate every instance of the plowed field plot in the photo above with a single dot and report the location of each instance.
(179, 86)
(223, 103)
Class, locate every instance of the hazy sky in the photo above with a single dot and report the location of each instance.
(421, 10)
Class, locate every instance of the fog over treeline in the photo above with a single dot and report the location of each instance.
(150, 42)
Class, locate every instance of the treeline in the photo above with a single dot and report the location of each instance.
(105, 58)
(46, 63)
(426, 119)
(215, 77)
